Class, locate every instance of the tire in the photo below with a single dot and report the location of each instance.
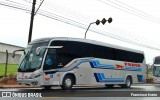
(67, 83)
(128, 83)
(109, 85)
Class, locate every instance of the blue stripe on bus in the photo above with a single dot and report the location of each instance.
(140, 78)
(96, 64)
(71, 68)
(100, 77)
(129, 68)
(96, 76)
(93, 63)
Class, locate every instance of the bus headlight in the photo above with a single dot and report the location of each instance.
(34, 75)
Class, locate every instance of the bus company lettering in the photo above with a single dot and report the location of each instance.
(132, 64)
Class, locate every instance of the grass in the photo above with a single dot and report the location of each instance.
(11, 69)
(150, 75)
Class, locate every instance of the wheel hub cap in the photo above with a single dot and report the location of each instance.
(68, 82)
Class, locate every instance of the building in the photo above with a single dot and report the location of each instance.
(10, 48)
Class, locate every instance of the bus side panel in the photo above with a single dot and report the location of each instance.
(105, 72)
(102, 71)
(84, 73)
(116, 72)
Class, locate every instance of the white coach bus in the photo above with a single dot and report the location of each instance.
(70, 61)
(156, 69)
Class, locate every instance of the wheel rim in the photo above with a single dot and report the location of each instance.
(68, 82)
(128, 83)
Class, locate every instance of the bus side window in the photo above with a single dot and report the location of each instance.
(50, 60)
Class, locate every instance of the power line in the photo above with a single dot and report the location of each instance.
(13, 6)
(73, 14)
(102, 33)
(129, 11)
(74, 23)
(76, 15)
(137, 10)
(110, 34)
(39, 6)
(64, 10)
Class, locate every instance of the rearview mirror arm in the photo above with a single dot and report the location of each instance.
(13, 54)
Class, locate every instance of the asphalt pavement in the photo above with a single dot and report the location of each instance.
(25, 86)
(87, 92)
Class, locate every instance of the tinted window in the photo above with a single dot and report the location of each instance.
(50, 60)
(157, 60)
(123, 55)
(73, 49)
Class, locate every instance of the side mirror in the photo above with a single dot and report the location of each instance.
(13, 54)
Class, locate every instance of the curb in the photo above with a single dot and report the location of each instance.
(17, 86)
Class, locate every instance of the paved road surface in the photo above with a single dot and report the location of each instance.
(93, 93)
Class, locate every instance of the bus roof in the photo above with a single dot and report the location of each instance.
(85, 41)
(157, 57)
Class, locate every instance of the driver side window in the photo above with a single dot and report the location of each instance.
(50, 60)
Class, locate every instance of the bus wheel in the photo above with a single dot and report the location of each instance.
(67, 82)
(109, 85)
(127, 83)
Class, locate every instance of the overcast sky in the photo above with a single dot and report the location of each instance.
(134, 22)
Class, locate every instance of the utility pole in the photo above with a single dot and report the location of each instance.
(31, 21)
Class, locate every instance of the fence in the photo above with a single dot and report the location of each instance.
(11, 60)
(12, 64)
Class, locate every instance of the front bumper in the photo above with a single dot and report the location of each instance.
(31, 82)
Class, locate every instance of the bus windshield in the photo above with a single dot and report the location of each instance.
(31, 62)
(156, 71)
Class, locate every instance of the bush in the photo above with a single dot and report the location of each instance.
(11, 75)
